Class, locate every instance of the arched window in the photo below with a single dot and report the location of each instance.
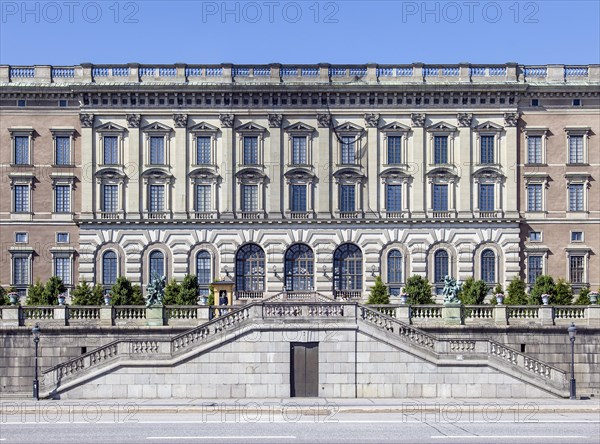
(347, 269)
(157, 264)
(440, 269)
(203, 271)
(299, 268)
(394, 272)
(250, 268)
(109, 268)
(488, 266)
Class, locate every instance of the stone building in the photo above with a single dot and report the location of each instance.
(308, 178)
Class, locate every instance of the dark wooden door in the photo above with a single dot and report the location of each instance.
(304, 371)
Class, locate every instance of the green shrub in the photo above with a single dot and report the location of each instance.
(379, 293)
(584, 297)
(543, 285)
(53, 288)
(473, 292)
(563, 293)
(84, 294)
(497, 289)
(188, 295)
(36, 294)
(516, 293)
(3, 296)
(172, 291)
(124, 293)
(418, 290)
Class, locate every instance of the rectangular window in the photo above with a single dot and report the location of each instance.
(440, 149)
(348, 150)
(487, 149)
(62, 196)
(486, 197)
(394, 150)
(576, 197)
(393, 198)
(576, 236)
(157, 150)
(575, 149)
(21, 238)
(203, 198)
(203, 145)
(157, 198)
(63, 150)
(534, 149)
(534, 268)
(111, 150)
(535, 236)
(21, 198)
(110, 198)
(62, 238)
(62, 269)
(299, 154)
(440, 197)
(298, 198)
(347, 198)
(250, 150)
(249, 198)
(22, 150)
(576, 269)
(21, 270)
(534, 197)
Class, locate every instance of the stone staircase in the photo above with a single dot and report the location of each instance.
(278, 313)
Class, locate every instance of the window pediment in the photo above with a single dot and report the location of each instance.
(488, 172)
(110, 127)
(394, 173)
(299, 173)
(203, 173)
(21, 131)
(489, 126)
(442, 127)
(395, 127)
(203, 127)
(349, 127)
(156, 173)
(442, 173)
(157, 127)
(250, 174)
(251, 127)
(299, 127)
(348, 174)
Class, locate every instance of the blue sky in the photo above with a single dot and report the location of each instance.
(71, 31)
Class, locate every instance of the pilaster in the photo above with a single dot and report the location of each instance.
(134, 158)
(323, 168)
(273, 157)
(465, 163)
(179, 154)
(87, 165)
(419, 160)
(372, 201)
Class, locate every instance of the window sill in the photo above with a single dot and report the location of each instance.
(577, 164)
(63, 165)
(18, 165)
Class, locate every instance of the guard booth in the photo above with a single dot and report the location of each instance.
(223, 288)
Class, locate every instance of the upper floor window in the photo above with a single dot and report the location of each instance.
(63, 150)
(393, 197)
(110, 198)
(110, 146)
(440, 197)
(577, 269)
(348, 150)
(109, 268)
(156, 198)
(577, 144)
(21, 199)
(576, 194)
(576, 149)
(486, 197)
(535, 236)
(21, 274)
(488, 266)
(534, 267)
(62, 268)
(440, 149)
(299, 150)
(250, 150)
(22, 150)
(534, 149)
(21, 238)
(576, 236)
(394, 150)
(487, 149)
(62, 198)
(249, 198)
(62, 238)
(347, 198)
(203, 150)
(157, 150)
(203, 198)
(298, 201)
(534, 197)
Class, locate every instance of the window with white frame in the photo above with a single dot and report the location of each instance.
(487, 149)
(535, 197)
(577, 268)
(156, 198)
(395, 143)
(488, 266)
(62, 267)
(62, 150)
(22, 140)
(577, 145)
(157, 265)
(347, 198)
(21, 237)
(440, 197)
(62, 238)
(535, 236)
(486, 197)
(157, 150)
(157, 190)
(535, 139)
(110, 198)
(156, 144)
(250, 150)
(62, 198)
(395, 272)
(440, 149)
(109, 268)
(203, 140)
(535, 267)
(249, 198)
(251, 144)
(488, 141)
(300, 136)
(21, 198)
(298, 198)
(204, 150)
(299, 150)
(441, 269)
(348, 150)
(203, 198)
(576, 201)
(393, 194)
(576, 236)
(21, 271)
(110, 150)
(203, 272)
(394, 149)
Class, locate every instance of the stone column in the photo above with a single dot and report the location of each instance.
(373, 201)
(179, 163)
(134, 160)
(323, 168)
(464, 205)
(273, 157)
(227, 166)
(510, 166)
(88, 161)
(419, 160)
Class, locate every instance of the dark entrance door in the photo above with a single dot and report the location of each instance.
(304, 371)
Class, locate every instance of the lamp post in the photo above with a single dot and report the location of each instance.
(35, 331)
(572, 333)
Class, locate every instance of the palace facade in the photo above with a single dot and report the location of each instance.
(303, 178)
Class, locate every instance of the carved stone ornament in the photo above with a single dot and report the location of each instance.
(87, 120)
(417, 119)
(275, 120)
(372, 120)
(133, 120)
(324, 120)
(180, 120)
(227, 120)
(511, 119)
(464, 119)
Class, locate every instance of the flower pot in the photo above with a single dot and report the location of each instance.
(107, 300)
(545, 299)
(61, 300)
(500, 298)
(13, 298)
(203, 300)
(593, 295)
(403, 298)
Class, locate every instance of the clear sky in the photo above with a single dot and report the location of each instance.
(66, 32)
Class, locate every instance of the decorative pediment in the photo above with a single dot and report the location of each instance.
(348, 174)
(156, 173)
(442, 172)
(441, 127)
(110, 173)
(394, 173)
(157, 126)
(489, 126)
(299, 127)
(204, 127)
(395, 126)
(110, 126)
(251, 127)
(203, 173)
(299, 173)
(250, 174)
(488, 173)
(349, 127)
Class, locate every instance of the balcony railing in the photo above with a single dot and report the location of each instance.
(349, 214)
(347, 294)
(489, 214)
(111, 215)
(395, 215)
(244, 295)
(205, 215)
(157, 215)
(298, 215)
(251, 215)
(441, 214)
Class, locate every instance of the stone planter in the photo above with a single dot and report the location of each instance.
(403, 298)
(13, 298)
(107, 299)
(545, 299)
(61, 299)
(500, 298)
(593, 296)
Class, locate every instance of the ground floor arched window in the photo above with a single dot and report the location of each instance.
(347, 268)
(299, 268)
(250, 268)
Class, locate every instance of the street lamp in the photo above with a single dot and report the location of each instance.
(572, 333)
(35, 331)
